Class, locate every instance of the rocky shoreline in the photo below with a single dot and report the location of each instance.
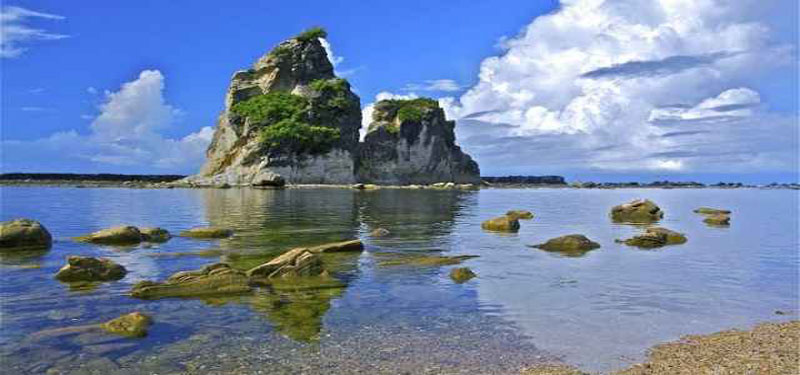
(175, 181)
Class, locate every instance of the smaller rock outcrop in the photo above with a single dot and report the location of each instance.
(122, 235)
(711, 211)
(501, 224)
(637, 211)
(293, 263)
(520, 214)
(24, 234)
(461, 274)
(214, 279)
(207, 233)
(134, 324)
(88, 269)
(720, 220)
(394, 259)
(411, 142)
(570, 245)
(155, 234)
(656, 237)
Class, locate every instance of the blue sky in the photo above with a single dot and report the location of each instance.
(589, 89)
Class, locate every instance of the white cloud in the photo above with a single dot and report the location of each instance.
(446, 85)
(16, 32)
(335, 60)
(602, 83)
(366, 112)
(126, 132)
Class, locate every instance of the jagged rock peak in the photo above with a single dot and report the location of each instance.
(412, 142)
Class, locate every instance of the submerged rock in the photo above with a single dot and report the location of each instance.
(520, 214)
(207, 233)
(293, 263)
(134, 324)
(338, 247)
(637, 211)
(501, 224)
(24, 233)
(411, 142)
(87, 269)
(155, 234)
(570, 245)
(214, 279)
(718, 220)
(422, 260)
(461, 274)
(122, 235)
(656, 237)
(379, 232)
(711, 211)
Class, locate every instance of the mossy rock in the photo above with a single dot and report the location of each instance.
(719, 220)
(134, 324)
(122, 235)
(711, 211)
(207, 233)
(211, 280)
(656, 237)
(23, 234)
(501, 224)
(422, 260)
(637, 211)
(461, 274)
(338, 247)
(155, 234)
(520, 214)
(86, 269)
(569, 245)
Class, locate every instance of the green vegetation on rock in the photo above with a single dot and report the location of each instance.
(311, 34)
(285, 117)
(414, 109)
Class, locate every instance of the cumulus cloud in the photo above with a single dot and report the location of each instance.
(606, 85)
(335, 60)
(16, 31)
(445, 85)
(125, 132)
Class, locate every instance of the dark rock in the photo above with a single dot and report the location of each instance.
(23, 234)
(80, 269)
(570, 245)
(718, 220)
(207, 233)
(656, 237)
(155, 234)
(711, 211)
(501, 224)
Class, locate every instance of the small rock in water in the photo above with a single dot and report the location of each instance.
(134, 324)
(711, 211)
(380, 232)
(520, 214)
(23, 234)
(122, 235)
(90, 269)
(461, 274)
(637, 211)
(207, 232)
(570, 245)
(501, 224)
(718, 220)
(155, 234)
(656, 237)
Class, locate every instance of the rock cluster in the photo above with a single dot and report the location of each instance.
(289, 119)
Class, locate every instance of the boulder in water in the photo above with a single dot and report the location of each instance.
(501, 224)
(520, 214)
(134, 324)
(570, 245)
(214, 279)
(88, 269)
(656, 237)
(711, 211)
(461, 274)
(122, 235)
(637, 211)
(155, 234)
(24, 234)
(207, 233)
(718, 220)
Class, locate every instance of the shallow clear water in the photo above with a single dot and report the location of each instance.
(600, 311)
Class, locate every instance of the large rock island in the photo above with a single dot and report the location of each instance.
(289, 119)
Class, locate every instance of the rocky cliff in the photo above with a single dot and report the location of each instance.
(289, 119)
(411, 142)
(286, 119)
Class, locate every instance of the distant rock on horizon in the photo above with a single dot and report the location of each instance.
(289, 119)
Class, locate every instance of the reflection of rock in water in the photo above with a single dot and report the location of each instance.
(296, 314)
(267, 222)
(413, 215)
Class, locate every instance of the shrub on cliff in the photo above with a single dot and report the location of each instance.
(311, 34)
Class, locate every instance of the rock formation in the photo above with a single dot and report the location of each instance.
(411, 142)
(637, 211)
(88, 269)
(289, 119)
(572, 245)
(24, 234)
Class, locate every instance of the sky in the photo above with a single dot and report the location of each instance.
(611, 90)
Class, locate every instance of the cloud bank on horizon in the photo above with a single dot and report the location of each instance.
(631, 86)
